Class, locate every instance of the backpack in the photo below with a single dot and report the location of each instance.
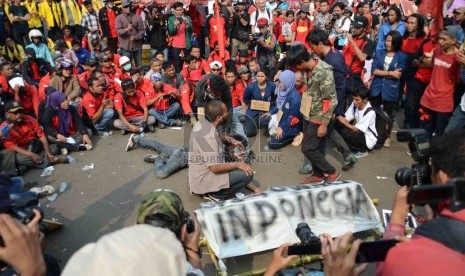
(383, 125)
(267, 12)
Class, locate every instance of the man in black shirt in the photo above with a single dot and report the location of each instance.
(240, 29)
(19, 27)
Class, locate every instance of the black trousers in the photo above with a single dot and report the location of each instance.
(355, 140)
(311, 150)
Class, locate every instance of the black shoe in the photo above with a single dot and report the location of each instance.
(161, 125)
(150, 158)
(349, 164)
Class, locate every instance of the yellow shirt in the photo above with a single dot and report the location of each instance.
(49, 13)
(16, 53)
(33, 9)
(75, 12)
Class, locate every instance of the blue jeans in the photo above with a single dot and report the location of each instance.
(457, 121)
(135, 56)
(237, 127)
(165, 116)
(171, 159)
(103, 123)
(16, 190)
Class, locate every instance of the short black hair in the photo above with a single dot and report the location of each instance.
(448, 153)
(90, 82)
(188, 59)
(76, 42)
(324, 1)
(342, 6)
(362, 92)
(396, 40)
(67, 27)
(230, 70)
(87, 3)
(97, 70)
(318, 36)
(213, 109)
(127, 83)
(218, 84)
(177, 5)
(289, 12)
(167, 64)
(5, 63)
(297, 54)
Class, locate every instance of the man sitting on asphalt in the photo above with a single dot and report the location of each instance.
(209, 174)
(167, 160)
(133, 115)
(163, 102)
(27, 139)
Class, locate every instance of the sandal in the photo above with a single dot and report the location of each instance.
(43, 191)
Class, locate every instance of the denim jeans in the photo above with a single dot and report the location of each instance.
(237, 180)
(135, 56)
(16, 190)
(165, 116)
(103, 124)
(134, 121)
(171, 159)
(457, 121)
(237, 127)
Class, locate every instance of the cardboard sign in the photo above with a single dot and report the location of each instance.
(260, 105)
(306, 104)
(262, 222)
(200, 113)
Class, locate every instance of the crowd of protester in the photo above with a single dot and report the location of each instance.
(308, 73)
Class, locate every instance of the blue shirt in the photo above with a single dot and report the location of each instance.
(384, 30)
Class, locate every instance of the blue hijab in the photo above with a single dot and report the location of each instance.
(287, 78)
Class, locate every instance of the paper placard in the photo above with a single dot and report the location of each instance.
(260, 105)
(306, 104)
(16, 81)
(200, 113)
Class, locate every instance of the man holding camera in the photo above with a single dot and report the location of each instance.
(130, 31)
(240, 29)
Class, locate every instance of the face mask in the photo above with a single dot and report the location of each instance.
(110, 6)
(127, 67)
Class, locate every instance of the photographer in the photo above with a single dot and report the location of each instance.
(440, 239)
(155, 27)
(339, 23)
(240, 29)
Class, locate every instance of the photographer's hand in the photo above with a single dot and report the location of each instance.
(191, 244)
(400, 208)
(278, 262)
(336, 259)
(22, 245)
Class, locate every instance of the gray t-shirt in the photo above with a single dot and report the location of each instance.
(206, 149)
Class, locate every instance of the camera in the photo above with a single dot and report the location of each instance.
(420, 171)
(310, 243)
(335, 16)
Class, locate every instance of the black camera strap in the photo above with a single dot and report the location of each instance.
(445, 230)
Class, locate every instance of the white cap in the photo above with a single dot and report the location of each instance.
(216, 63)
(136, 250)
(123, 60)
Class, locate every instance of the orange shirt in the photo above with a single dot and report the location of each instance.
(91, 103)
(187, 97)
(301, 29)
(22, 133)
(130, 106)
(237, 93)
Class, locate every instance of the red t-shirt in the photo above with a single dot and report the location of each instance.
(35, 72)
(214, 28)
(162, 104)
(439, 95)
(91, 103)
(278, 21)
(111, 22)
(187, 97)
(302, 89)
(411, 45)
(133, 107)
(301, 29)
(237, 93)
(179, 39)
(424, 74)
(22, 133)
(83, 78)
(349, 53)
(30, 99)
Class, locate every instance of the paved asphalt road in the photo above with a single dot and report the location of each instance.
(106, 198)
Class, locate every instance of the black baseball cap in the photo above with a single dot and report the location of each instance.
(360, 22)
(13, 106)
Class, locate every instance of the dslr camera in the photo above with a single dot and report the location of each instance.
(420, 171)
(335, 16)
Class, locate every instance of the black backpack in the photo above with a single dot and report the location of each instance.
(383, 125)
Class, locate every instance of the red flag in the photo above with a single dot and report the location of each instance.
(220, 31)
(434, 9)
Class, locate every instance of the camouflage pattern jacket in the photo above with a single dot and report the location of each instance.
(321, 87)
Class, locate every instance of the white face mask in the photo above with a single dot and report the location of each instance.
(110, 5)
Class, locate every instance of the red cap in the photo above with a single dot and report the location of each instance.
(262, 22)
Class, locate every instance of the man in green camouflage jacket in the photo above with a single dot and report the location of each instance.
(322, 90)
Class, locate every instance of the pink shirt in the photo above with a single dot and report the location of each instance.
(179, 39)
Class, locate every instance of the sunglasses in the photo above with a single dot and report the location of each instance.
(16, 112)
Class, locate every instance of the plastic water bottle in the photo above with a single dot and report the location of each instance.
(71, 159)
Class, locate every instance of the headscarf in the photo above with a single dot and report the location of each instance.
(287, 78)
(64, 115)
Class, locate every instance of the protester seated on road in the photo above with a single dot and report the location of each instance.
(261, 92)
(67, 82)
(358, 125)
(133, 250)
(285, 120)
(163, 100)
(14, 187)
(216, 68)
(110, 87)
(26, 94)
(209, 174)
(28, 140)
(171, 77)
(97, 108)
(164, 208)
(167, 159)
(155, 67)
(63, 125)
(34, 69)
(133, 115)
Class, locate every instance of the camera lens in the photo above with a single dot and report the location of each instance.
(403, 176)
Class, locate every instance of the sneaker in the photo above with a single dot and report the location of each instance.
(387, 143)
(88, 147)
(151, 128)
(212, 198)
(333, 177)
(361, 154)
(150, 158)
(59, 159)
(349, 164)
(306, 169)
(161, 125)
(131, 142)
(298, 139)
(177, 123)
(64, 151)
(409, 153)
(313, 179)
(43, 191)
(123, 132)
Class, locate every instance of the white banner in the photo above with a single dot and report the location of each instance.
(257, 223)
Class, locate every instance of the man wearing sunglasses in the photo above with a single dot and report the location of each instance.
(27, 139)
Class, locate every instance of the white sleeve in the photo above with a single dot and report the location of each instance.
(350, 114)
(366, 121)
(252, 18)
(346, 26)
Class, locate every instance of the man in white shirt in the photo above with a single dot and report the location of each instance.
(360, 135)
(261, 11)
